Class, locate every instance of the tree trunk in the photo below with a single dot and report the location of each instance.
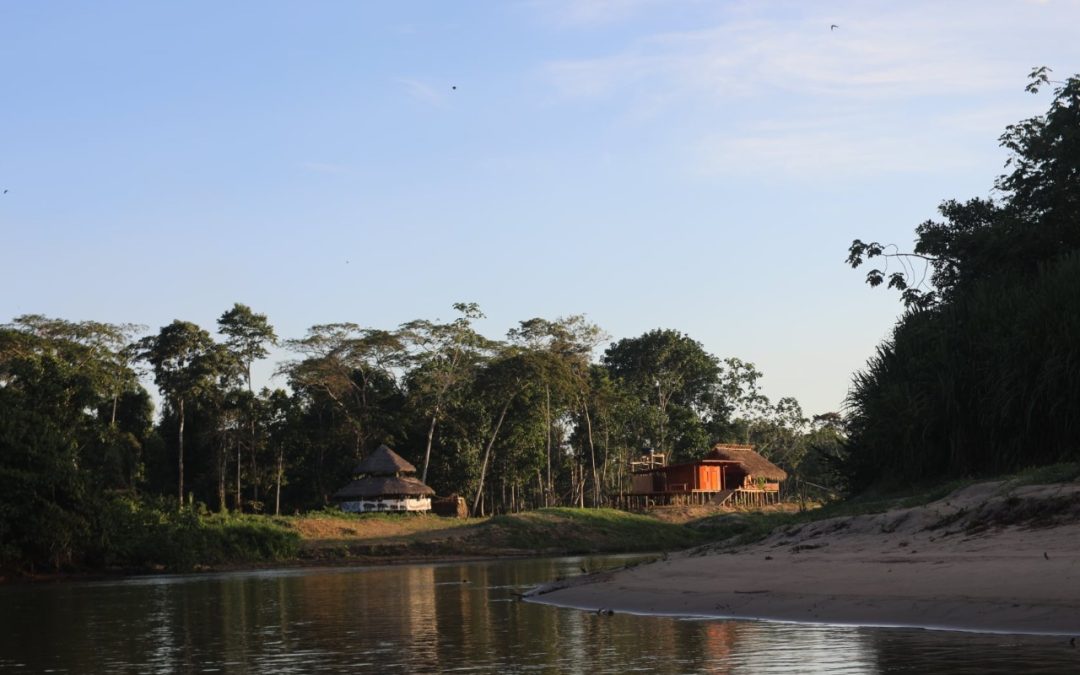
(607, 460)
(239, 464)
(547, 423)
(430, 437)
(487, 456)
(180, 454)
(592, 456)
(254, 464)
(280, 471)
(222, 463)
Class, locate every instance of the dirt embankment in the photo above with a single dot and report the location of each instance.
(991, 556)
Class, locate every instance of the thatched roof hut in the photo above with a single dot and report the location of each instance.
(384, 462)
(753, 463)
(383, 483)
(377, 487)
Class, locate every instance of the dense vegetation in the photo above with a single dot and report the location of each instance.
(90, 475)
(982, 373)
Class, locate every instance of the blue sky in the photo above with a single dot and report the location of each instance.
(681, 164)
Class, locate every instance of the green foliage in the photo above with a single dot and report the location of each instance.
(985, 385)
(676, 382)
(247, 335)
(63, 435)
(509, 426)
(982, 375)
(1061, 472)
(136, 535)
(586, 531)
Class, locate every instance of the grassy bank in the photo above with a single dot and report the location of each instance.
(554, 531)
(132, 537)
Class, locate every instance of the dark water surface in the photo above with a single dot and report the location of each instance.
(444, 618)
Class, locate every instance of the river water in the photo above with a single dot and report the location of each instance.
(444, 618)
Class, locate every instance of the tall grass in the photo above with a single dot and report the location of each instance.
(987, 384)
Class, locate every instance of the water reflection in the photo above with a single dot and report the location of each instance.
(439, 618)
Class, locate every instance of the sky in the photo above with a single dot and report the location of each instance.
(686, 164)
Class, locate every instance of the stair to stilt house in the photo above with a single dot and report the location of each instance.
(722, 497)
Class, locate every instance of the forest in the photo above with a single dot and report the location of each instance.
(982, 373)
(527, 421)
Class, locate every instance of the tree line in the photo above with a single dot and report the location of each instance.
(532, 419)
(982, 373)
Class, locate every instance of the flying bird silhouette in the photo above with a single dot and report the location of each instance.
(833, 27)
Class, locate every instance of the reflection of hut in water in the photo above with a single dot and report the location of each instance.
(728, 474)
(383, 483)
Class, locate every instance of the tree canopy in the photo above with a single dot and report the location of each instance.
(983, 371)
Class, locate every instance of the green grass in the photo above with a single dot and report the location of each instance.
(1063, 472)
(573, 530)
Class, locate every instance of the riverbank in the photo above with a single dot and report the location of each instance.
(214, 543)
(993, 556)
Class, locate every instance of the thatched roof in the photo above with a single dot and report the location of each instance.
(383, 462)
(370, 487)
(753, 463)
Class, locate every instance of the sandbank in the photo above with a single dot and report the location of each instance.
(991, 557)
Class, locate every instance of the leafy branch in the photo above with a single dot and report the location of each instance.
(910, 279)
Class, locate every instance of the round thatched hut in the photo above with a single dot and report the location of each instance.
(383, 483)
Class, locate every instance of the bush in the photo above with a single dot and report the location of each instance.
(154, 534)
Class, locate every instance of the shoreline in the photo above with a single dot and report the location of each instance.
(290, 564)
(805, 622)
(988, 558)
(323, 541)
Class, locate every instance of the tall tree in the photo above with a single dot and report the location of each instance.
(185, 361)
(501, 382)
(349, 364)
(563, 349)
(1034, 220)
(674, 377)
(247, 336)
(443, 356)
(56, 383)
(980, 373)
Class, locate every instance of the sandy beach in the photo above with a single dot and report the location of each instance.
(990, 557)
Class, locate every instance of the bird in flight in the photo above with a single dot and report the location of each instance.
(833, 27)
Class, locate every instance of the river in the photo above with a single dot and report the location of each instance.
(444, 618)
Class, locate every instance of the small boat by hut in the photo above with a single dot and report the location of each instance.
(384, 482)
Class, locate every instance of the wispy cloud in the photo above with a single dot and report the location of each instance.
(596, 12)
(324, 167)
(421, 91)
(855, 93)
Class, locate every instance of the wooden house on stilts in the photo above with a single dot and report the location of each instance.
(728, 474)
(383, 483)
